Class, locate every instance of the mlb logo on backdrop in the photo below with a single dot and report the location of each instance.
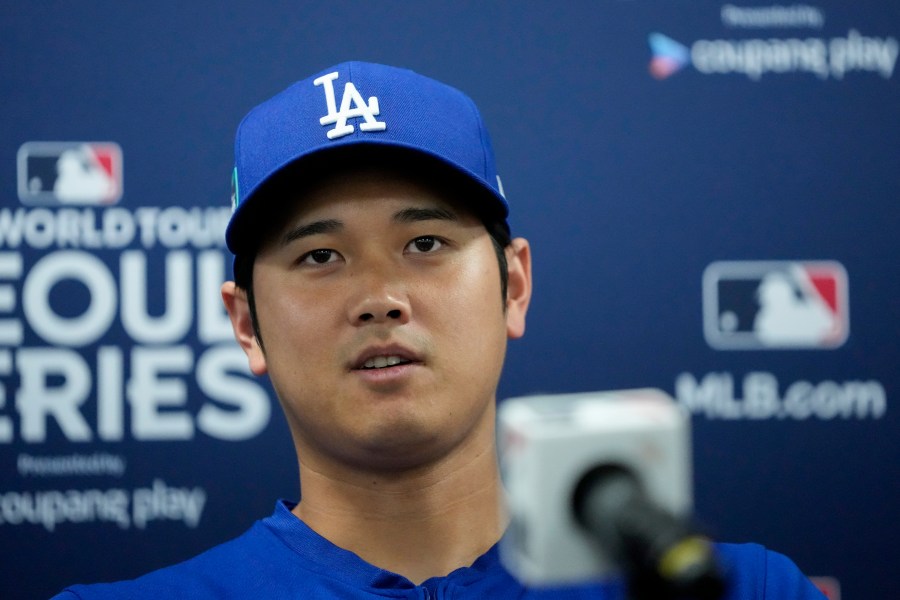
(759, 305)
(69, 173)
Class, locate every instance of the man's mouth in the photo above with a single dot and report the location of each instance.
(380, 362)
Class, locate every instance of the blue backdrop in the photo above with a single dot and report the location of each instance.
(710, 190)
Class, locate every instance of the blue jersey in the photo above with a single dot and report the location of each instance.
(280, 557)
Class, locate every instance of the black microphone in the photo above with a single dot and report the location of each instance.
(662, 555)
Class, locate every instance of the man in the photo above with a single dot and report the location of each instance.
(376, 284)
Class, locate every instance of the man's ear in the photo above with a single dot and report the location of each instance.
(518, 290)
(238, 308)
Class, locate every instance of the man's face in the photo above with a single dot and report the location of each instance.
(384, 330)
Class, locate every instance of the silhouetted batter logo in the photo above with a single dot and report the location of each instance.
(73, 173)
(752, 305)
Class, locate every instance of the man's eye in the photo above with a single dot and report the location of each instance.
(426, 243)
(320, 256)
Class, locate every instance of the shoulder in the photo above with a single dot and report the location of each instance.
(196, 577)
(245, 566)
(754, 571)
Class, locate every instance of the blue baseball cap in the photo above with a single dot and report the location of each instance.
(358, 104)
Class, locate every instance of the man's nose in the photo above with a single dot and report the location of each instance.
(381, 298)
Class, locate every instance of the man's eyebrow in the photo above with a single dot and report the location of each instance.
(413, 215)
(308, 229)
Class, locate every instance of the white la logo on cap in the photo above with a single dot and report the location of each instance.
(351, 97)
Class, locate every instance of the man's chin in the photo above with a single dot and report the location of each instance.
(403, 448)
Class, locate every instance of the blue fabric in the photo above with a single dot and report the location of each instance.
(414, 112)
(280, 557)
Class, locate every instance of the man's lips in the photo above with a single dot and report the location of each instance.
(380, 362)
(379, 357)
